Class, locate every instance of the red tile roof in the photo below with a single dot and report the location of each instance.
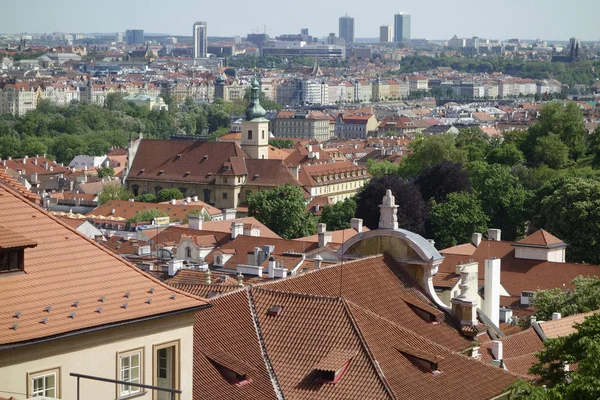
(62, 284)
(541, 238)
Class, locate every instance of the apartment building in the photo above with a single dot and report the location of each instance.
(302, 124)
(18, 98)
(337, 181)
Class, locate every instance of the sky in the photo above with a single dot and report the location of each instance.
(431, 19)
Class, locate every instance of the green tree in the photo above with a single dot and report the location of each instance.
(148, 215)
(283, 210)
(572, 213)
(104, 172)
(66, 147)
(594, 146)
(454, 221)
(168, 195)
(382, 168)
(33, 146)
(146, 198)
(503, 198)
(97, 147)
(114, 192)
(337, 216)
(281, 143)
(427, 151)
(10, 146)
(550, 150)
(581, 348)
(506, 154)
(585, 297)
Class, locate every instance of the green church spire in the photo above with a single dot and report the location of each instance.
(254, 109)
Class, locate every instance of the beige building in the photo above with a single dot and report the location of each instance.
(18, 98)
(337, 181)
(69, 306)
(298, 124)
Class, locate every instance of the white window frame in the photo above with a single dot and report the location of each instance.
(132, 390)
(31, 377)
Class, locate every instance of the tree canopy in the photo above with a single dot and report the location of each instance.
(337, 216)
(439, 180)
(585, 297)
(283, 210)
(148, 215)
(168, 195)
(114, 192)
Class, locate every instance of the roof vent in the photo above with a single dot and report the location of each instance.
(187, 173)
(151, 290)
(17, 314)
(173, 296)
(124, 305)
(72, 315)
(179, 155)
(101, 299)
(204, 158)
(223, 278)
(331, 367)
(99, 310)
(212, 293)
(162, 171)
(75, 304)
(14, 327)
(48, 308)
(44, 320)
(149, 301)
(275, 310)
(256, 176)
(127, 294)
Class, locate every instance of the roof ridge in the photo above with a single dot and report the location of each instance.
(296, 294)
(103, 248)
(367, 349)
(261, 343)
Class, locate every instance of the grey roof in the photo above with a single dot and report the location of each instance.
(429, 250)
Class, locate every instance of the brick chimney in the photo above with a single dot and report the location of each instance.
(476, 239)
(494, 234)
(195, 222)
(323, 235)
(356, 224)
(237, 229)
(491, 304)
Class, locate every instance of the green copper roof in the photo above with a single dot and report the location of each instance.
(254, 109)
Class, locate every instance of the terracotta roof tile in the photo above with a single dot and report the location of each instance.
(10, 239)
(541, 238)
(71, 274)
(9, 180)
(129, 209)
(564, 326)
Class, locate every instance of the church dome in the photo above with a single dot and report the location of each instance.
(254, 109)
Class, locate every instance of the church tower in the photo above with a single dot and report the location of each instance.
(255, 128)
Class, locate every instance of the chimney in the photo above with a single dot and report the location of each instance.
(464, 306)
(35, 161)
(356, 224)
(174, 266)
(491, 304)
(533, 319)
(295, 170)
(240, 279)
(323, 235)
(173, 201)
(256, 257)
(9, 158)
(195, 222)
(34, 177)
(208, 277)
(4, 162)
(195, 198)
(237, 229)
(25, 159)
(388, 218)
(476, 239)
(271, 267)
(188, 200)
(230, 213)
(318, 259)
(497, 349)
(555, 316)
(495, 234)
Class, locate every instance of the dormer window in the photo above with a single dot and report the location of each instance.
(527, 298)
(424, 361)
(12, 251)
(333, 366)
(234, 370)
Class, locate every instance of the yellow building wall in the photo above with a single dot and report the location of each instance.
(96, 354)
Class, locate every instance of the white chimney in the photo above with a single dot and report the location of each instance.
(230, 213)
(555, 316)
(356, 224)
(35, 161)
(188, 200)
(491, 304)
(195, 222)
(173, 201)
(25, 160)
(497, 349)
(495, 234)
(318, 259)
(174, 266)
(476, 239)
(237, 229)
(323, 235)
(271, 267)
(195, 198)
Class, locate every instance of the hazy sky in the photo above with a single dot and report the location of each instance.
(431, 19)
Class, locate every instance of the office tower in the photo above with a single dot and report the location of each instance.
(200, 40)
(402, 28)
(119, 37)
(385, 33)
(134, 36)
(347, 29)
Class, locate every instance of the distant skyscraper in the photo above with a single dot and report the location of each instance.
(134, 36)
(119, 37)
(200, 40)
(385, 33)
(347, 29)
(402, 28)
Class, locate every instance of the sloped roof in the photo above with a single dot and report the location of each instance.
(129, 209)
(62, 272)
(268, 173)
(8, 179)
(176, 157)
(541, 238)
(564, 326)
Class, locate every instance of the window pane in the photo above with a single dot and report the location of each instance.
(50, 381)
(49, 393)
(135, 360)
(125, 362)
(135, 374)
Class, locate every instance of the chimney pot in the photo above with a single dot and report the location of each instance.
(497, 349)
(556, 316)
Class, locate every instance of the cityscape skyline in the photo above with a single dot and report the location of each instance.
(530, 20)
